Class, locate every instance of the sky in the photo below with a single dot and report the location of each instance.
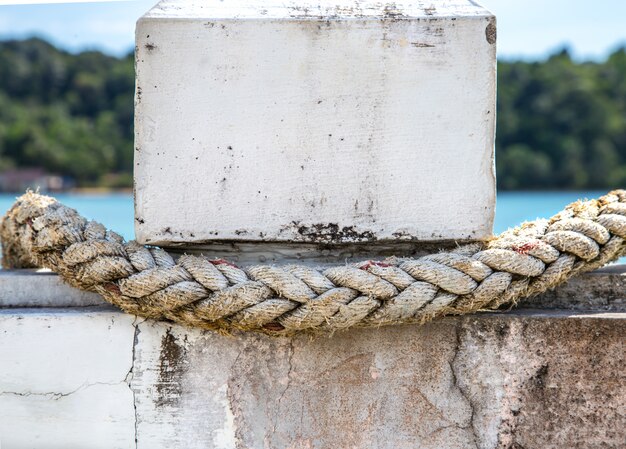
(527, 29)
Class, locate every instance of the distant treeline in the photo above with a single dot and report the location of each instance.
(71, 114)
(561, 124)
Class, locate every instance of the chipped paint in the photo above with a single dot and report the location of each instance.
(225, 436)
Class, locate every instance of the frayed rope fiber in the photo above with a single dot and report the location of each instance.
(38, 231)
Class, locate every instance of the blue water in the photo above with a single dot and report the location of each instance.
(115, 211)
(513, 208)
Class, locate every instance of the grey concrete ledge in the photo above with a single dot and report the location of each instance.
(602, 290)
(520, 312)
(41, 288)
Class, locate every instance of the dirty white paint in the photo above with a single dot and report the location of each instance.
(331, 122)
(64, 378)
(163, 354)
(307, 9)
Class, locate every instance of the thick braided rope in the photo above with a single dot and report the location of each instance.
(214, 294)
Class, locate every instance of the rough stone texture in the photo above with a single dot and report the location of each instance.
(543, 381)
(93, 377)
(531, 379)
(329, 121)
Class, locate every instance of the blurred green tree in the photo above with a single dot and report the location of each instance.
(561, 124)
(71, 114)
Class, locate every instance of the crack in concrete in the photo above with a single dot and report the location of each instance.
(462, 390)
(131, 374)
(274, 419)
(289, 371)
(55, 394)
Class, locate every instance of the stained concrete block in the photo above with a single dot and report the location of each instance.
(532, 379)
(317, 121)
(522, 380)
(94, 377)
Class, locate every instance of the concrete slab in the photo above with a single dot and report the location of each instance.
(333, 121)
(532, 379)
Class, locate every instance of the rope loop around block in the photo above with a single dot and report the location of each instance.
(215, 294)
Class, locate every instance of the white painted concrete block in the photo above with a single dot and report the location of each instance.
(327, 121)
(95, 417)
(65, 379)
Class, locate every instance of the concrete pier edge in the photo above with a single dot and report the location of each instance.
(77, 372)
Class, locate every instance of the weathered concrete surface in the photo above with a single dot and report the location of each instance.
(326, 121)
(521, 380)
(531, 379)
(600, 290)
(93, 377)
(64, 379)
